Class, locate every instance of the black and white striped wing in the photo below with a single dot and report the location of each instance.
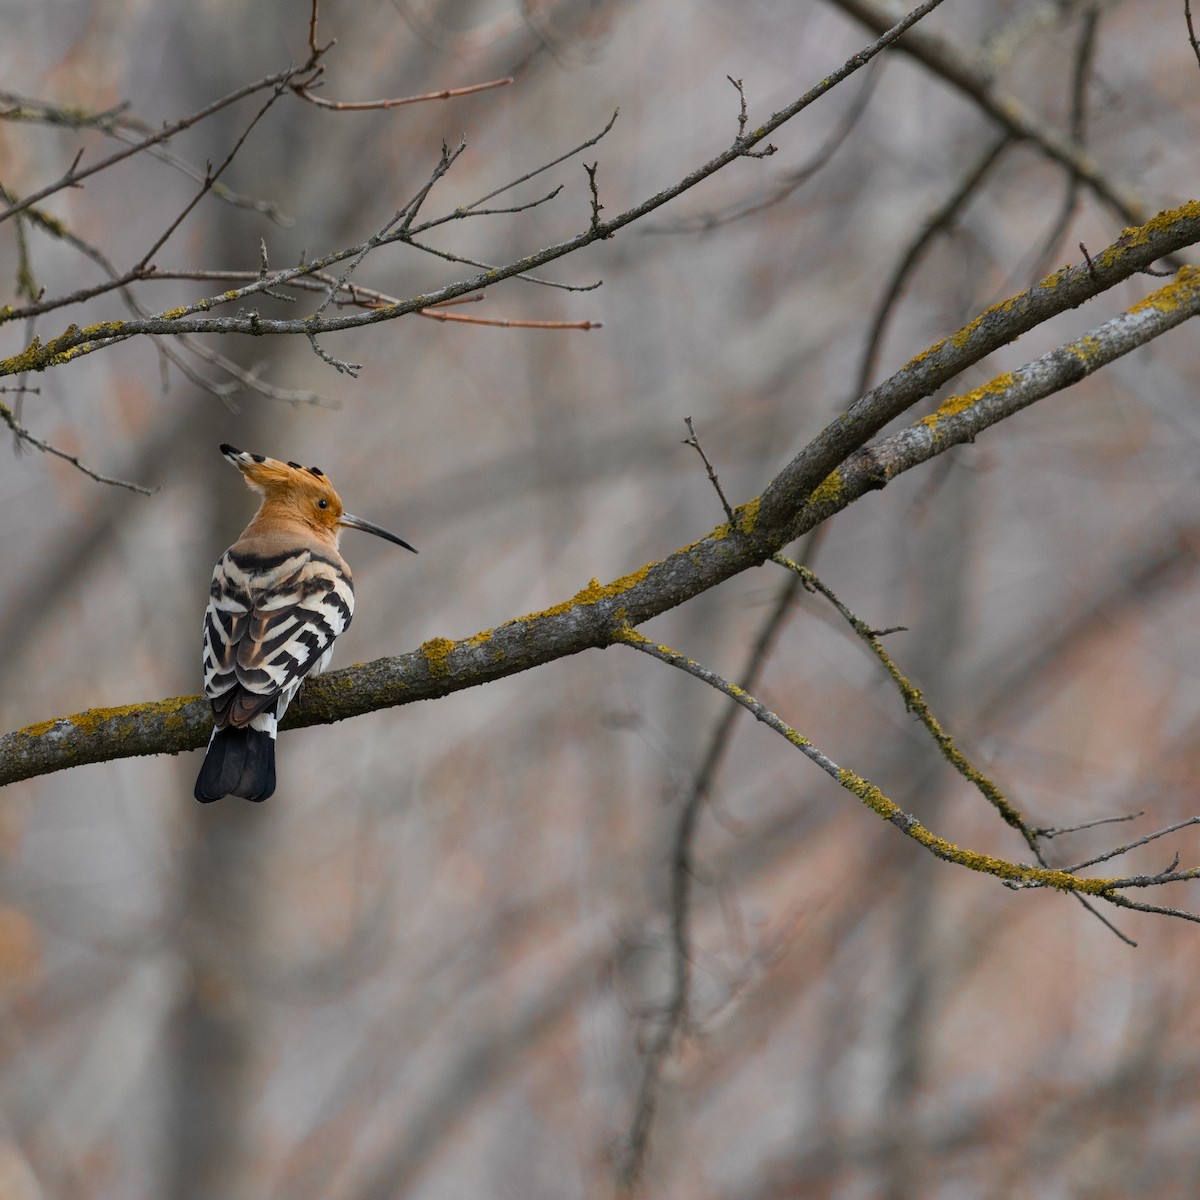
(270, 623)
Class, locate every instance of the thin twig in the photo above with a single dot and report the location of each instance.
(304, 92)
(1187, 14)
(74, 174)
(1117, 851)
(461, 214)
(792, 182)
(404, 216)
(546, 166)
(436, 314)
(490, 267)
(118, 124)
(693, 441)
(597, 207)
(23, 434)
(1049, 832)
(210, 178)
(743, 121)
(312, 30)
(1160, 910)
(341, 365)
(410, 210)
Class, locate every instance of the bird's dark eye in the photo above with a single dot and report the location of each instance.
(322, 503)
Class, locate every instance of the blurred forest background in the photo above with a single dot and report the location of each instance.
(433, 964)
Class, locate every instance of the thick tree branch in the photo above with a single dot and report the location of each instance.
(595, 615)
(921, 376)
(962, 418)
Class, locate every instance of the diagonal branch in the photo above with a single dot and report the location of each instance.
(971, 73)
(787, 508)
(23, 435)
(1022, 874)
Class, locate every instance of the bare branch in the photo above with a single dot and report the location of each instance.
(460, 214)
(210, 178)
(1191, 28)
(437, 314)
(118, 124)
(340, 365)
(597, 207)
(74, 175)
(1049, 832)
(1081, 72)
(972, 75)
(914, 702)
(404, 215)
(491, 269)
(939, 221)
(693, 441)
(23, 434)
(1117, 851)
(1015, 874)
(743, 120)
(547, 166)
(792, 181)
(305, 93)
(1132, 253)
(100, 336)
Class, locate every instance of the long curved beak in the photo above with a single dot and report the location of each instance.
(358, 523)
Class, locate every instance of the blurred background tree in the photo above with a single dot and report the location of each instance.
(445, 959)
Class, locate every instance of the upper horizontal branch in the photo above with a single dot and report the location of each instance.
(190, 318)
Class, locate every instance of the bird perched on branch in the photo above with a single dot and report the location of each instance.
(280, 596)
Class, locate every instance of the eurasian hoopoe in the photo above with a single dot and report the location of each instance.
(280, 596)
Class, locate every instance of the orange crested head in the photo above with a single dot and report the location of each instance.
(295, 495)
(290, 492)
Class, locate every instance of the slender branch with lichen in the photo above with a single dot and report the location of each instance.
(1021, 874)
(914, 702)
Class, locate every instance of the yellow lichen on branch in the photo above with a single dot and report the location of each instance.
(986, 864)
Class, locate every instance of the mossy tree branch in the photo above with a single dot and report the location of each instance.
(833, 471)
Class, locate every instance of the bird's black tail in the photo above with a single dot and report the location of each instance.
(239, 762)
